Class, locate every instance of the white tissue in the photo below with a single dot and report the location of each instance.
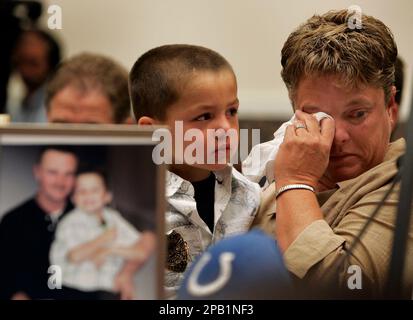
(260, 161)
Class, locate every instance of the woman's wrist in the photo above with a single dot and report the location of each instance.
(284, 182)
(293, 186)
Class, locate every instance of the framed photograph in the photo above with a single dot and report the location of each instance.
(81, 213)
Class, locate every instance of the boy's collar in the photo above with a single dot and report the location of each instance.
(175, 182)
(221, 175)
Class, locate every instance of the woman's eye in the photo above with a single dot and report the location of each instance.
(358, 114)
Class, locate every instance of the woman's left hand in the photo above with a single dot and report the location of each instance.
(304, 154)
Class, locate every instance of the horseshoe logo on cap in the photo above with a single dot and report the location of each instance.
(225, 271)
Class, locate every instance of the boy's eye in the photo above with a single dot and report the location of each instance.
(203, 117)
(232, 111)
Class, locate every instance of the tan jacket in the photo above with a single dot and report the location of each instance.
(314, 253)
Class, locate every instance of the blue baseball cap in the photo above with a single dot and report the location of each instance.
(248, 266)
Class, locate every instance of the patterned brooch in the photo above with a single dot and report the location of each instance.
(178, 252)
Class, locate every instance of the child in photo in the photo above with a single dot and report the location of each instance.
(93, 241)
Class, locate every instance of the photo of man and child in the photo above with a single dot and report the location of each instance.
(74, 224)
(93, 241)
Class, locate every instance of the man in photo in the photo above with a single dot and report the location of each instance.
(27, 231)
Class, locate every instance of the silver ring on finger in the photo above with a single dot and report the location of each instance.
(300, 125)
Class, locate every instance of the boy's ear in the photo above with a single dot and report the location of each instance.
(147, 121)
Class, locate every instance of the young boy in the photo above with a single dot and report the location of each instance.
(193, 90)
(93, 241)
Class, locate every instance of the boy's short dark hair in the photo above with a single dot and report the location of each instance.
(87, 169)
(158, 77)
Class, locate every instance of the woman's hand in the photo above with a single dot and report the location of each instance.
(303, 156)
